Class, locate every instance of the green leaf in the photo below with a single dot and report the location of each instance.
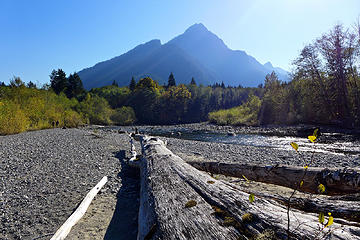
(321, 188)
(312, 138)
(330, 221)
(301, 183)
(251, 197)
(316, 131)
(247, 180)
(321, 217)
(295, 146)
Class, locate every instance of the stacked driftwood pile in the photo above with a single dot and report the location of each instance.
(178, 201)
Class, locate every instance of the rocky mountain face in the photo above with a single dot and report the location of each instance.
(196, 53)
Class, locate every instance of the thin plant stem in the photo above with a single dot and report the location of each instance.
(295, 190)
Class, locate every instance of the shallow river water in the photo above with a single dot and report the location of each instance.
(340, 147)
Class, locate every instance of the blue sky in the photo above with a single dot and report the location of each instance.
(38, 36)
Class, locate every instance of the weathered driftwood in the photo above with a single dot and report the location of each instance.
(64, 230)
(163, 195)
(222, 211)
(339, 209)
(133, 160)
(133, 149)
(341, 181)
(348, 209)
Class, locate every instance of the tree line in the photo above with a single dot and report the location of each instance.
(172, 103)
(64, 100)
(325, 89)
(325, 85)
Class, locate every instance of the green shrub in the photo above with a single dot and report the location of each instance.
(31, 109)
(72, 119)
(12, 118)
(116, 96)
(123, 116)
(96, 109)
(245, 114)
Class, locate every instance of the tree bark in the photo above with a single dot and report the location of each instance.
(219, 210)
(336, 182)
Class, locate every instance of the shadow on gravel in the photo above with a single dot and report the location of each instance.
(124, 222)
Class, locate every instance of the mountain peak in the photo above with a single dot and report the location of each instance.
(197, 52)
(198, 36)
(197, 27)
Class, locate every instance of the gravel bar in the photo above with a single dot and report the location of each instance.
(232, 153)
(45, 174)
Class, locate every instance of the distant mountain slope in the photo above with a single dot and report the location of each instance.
(196, 53)
(234, 67)
(105, 72)
(171, 58)
(283, 75)
(149, 59)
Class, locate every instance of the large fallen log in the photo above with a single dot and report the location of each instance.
(178, 201)
(163, 196)
(336, 182)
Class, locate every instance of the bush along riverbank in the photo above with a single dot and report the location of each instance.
(24, 108)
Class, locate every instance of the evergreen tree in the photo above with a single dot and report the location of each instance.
(144, 99)
(75, 86)
(132, 84)
(114, 83)
(222, 85)
(31, 85)
(45, 86)
(2, 84)
(193, 81)
(171, 81)
(17, 82)
(58, 81)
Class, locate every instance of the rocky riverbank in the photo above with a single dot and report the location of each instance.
(330, 134)
(46, 174)
(215, 151)
(210, 151)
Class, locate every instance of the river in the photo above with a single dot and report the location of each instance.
(333, 143)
